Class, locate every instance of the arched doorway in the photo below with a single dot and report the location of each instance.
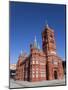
(55, 75)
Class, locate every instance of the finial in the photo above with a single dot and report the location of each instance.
(35, 39)
(21, 52)
(46, 24)
(35, 42)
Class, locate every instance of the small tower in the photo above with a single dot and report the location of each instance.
(37, 68)
(35, 43)
(33, 46)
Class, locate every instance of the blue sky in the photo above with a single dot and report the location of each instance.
(28, 20)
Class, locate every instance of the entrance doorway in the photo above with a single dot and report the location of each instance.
(55, 75)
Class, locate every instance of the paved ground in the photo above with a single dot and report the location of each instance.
(22, 84)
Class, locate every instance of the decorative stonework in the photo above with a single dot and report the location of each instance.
(40, 64)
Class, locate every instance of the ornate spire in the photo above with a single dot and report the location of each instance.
(21, 52)
(47, 25)
(35, 42)
(38, 46)
(35, 39)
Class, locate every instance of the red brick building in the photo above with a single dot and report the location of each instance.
(40, 64)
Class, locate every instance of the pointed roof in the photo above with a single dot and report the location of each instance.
(35, 43)
(35, 39)
(47, 28)
(38, 46)
(21, 52)
(46, 25)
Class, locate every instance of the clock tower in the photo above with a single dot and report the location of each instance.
(48, 41)
(54, 66)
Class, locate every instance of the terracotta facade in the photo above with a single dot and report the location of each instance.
(40, 64)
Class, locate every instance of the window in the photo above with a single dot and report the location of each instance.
(42, 63)
(36, 75)
(33, 72)
(42, 74)
(33, 75)
(36, 69)
(37, 62)
(33, 69)
(55, 63)
(33, 62)
(42, 70)
(33, 58)
(36, 72)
